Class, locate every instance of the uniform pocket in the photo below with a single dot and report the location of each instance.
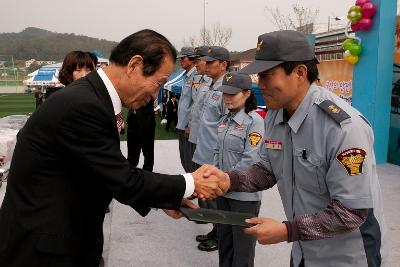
(236, 141)
(309, 171)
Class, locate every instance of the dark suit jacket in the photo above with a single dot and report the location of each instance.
(172, 108)
(144, 117)
(66, 168)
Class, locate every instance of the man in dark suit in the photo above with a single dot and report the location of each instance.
(67, 164)
(172, 112)
(141, 133)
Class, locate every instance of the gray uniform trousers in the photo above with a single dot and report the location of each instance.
(184, 151)
(192, 148)
(238, 248)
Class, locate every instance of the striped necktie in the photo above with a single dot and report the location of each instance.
(120, 121)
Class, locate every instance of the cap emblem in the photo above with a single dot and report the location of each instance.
(228, 77)
(259, 45)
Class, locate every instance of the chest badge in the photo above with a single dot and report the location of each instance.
(352, 160)
(273, 144)
(239, 127)
(254, 138)
(215, 97)
(222, 125)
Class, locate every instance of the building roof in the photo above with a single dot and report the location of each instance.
(247, 55)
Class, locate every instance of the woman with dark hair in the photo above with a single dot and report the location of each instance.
(240, 136)
(76, 64)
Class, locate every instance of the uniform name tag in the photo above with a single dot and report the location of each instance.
(273, 144)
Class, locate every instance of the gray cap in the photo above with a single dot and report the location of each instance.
(216, 53)
(277, 47)
(200, 51)
(186, 52)
(235, 82)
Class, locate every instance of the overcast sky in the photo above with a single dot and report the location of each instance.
(176, 19)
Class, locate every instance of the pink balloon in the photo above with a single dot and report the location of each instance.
(365, 24)
(368, 10)
(355, 27)
(361, 2)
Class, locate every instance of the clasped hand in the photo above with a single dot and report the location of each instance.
(267, 230)
(210, 182)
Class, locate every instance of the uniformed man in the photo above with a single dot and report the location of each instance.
(200, 87)
(240, 136)
(319, 151)
(186, 57)
(217, 63)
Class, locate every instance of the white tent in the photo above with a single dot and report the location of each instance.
(55, 66)
(45, 76)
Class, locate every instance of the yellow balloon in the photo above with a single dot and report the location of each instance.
(351, 59)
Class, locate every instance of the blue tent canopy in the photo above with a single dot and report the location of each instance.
(45, 74)
(175, 82)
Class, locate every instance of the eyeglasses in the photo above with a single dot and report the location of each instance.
(160, 82)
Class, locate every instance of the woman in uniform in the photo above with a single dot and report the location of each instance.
(240, 136)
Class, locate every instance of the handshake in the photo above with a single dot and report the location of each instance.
(210, 182)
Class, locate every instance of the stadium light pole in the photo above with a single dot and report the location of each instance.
(204, 22)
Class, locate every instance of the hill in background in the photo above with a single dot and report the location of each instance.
(46, 45)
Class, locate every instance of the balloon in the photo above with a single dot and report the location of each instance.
(361, 2)
(355, 27)
(355, 50)
(354, 14)
(347, 53)
(351, 59)
(368, 10)
(348, 43)
(355, 8)
(365, 24)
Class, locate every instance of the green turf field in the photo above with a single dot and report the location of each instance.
(23, 104)
(16, 104)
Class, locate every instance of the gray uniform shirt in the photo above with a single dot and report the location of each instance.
(186, 100)
(211, 116)
(201, 86)
(240, 137)
(325, 152)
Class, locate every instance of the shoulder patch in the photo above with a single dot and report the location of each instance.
(255, 138)
(352, 160)
(334, 111)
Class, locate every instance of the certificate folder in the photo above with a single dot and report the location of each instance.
(217, 216)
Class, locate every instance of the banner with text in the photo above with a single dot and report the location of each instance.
(337, 77)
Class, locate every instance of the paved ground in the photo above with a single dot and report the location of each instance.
(157, 240)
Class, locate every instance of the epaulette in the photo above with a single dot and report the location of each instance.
(334, 111)
(365, 119)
